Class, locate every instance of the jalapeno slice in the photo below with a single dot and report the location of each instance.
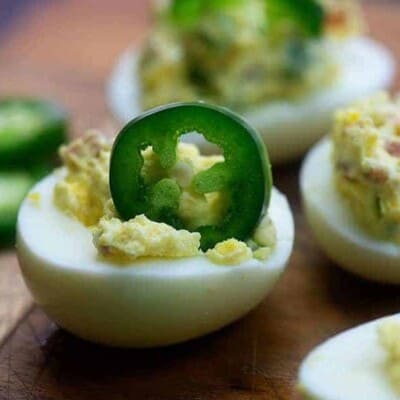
(245, 173)
(31, 130)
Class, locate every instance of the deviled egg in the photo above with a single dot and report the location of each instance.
(285, 66)
(148, 242)
(363, 363)
(350, 185)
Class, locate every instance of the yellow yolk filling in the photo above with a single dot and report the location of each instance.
(141, 237)
(84, 194)
(366, 139)
(389, 335)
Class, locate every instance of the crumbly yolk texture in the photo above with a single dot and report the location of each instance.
(366, 156)
(85, 190)
(389, 336)
(230, 251)
(143, 238)
(84, 194)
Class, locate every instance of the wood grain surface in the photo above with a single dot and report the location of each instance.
(64, 50)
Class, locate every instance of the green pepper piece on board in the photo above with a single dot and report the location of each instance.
(14, 185)
(245, 174)
(31, 130)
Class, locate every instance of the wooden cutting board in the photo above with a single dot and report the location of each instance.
(65, 50)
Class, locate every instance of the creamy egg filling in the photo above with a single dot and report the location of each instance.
(389, 335)
(141, 237)
(84, 194)
(241, 56)
(366, 156)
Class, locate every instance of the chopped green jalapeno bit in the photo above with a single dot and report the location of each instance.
(244, 175)
(308, 14)
(31, 130)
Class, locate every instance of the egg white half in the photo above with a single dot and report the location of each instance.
(335, 228)
(151, 302)
(350, 366)
(288, 128)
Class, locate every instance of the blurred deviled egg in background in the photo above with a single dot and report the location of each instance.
(284, 65)
(350, 184)
(362, 363)
(148, 242)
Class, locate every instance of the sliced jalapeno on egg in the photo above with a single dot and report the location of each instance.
(244, 175)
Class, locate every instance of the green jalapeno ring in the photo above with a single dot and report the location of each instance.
(245, 174)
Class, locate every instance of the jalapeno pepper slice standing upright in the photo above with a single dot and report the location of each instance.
(245, 174)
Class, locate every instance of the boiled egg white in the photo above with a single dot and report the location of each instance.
(288, 128)
(335, 228)
(350, 366)
(151, 302)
